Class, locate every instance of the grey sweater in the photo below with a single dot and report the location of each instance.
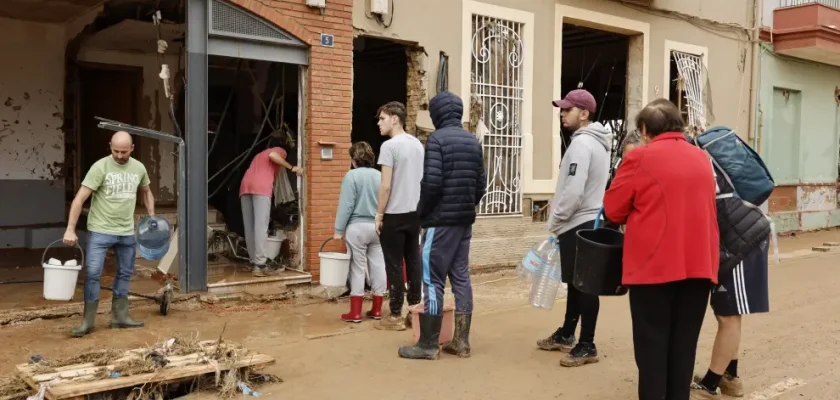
(359, 197)
(584, 172)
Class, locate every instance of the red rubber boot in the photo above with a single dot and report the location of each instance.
(376, 309)
(355, 314)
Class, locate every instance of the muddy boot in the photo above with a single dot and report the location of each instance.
(582, 354)
(428, 347)
(355, 314)
(391, 323)
(119, 314)
(460, 344)
(731, 385)
(376, 309)
(88, 320)
(557, 342)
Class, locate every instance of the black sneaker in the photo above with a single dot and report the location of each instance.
(582, 354)
(557, 342)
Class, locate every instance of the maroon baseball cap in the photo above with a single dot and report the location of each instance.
(577, 98)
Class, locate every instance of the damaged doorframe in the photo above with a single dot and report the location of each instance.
(116, 126)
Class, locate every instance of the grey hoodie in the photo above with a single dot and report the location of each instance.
(584, 172)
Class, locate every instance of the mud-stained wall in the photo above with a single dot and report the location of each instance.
(31, 139)
(31, 100)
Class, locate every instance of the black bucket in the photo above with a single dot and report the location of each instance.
(598, 264)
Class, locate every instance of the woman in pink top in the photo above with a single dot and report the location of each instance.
(255, 196)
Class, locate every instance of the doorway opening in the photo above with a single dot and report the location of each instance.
(380, 72)
(598, 61)
(110, 91)
(253, 106)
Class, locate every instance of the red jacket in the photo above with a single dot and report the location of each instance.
(665, 194)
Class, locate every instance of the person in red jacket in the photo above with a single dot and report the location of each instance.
(664, 192)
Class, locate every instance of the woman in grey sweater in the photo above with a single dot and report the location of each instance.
(355, 224)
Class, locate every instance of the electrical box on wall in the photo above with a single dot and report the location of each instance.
(316, 3)
(379, 7)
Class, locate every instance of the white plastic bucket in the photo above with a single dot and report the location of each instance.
(334, 267)
(60, 280)
(273, 244)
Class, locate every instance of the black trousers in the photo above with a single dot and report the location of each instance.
(400, 238)
(666, 325)
(579, 306)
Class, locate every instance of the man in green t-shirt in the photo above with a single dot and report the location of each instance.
(113, 181)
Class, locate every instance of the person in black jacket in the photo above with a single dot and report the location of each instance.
(454, 181)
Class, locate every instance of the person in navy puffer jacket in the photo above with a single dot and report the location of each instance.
(454, 181)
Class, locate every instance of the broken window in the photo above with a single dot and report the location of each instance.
(690, 89)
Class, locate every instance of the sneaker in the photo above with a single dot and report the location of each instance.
(392, 323)
(259, 271)
(268, 271)
(731, 386)
(580, 355)
(556, 342)
(699, 392)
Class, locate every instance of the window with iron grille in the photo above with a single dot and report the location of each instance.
(497, 89)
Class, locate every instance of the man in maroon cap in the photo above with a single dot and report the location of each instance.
(584, 171)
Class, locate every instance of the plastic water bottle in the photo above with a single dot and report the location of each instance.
(545, 286)
(532, 263)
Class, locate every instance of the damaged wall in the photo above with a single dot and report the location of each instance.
(31, 116)
(798, 138)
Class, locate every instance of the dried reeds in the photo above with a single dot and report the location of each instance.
(13, 388)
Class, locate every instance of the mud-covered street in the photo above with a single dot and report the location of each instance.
(787, 354)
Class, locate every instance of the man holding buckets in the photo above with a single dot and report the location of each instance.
(113, 181)
(454, 181)
(584, 173)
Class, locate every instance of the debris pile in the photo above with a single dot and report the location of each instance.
(180, 364)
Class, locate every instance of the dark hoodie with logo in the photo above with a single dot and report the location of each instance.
(454, 179)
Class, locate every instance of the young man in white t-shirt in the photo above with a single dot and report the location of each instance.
(401, 159)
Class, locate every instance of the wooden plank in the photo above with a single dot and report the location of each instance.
(93, 370)
(60, 392)
(26, 368)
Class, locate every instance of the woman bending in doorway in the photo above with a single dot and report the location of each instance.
(255, 196)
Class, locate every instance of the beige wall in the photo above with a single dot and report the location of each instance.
(436, 25)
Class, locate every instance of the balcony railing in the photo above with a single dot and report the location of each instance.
(793, 3)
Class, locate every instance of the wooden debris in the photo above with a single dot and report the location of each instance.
(821, 249)
(831, 244)
(141, 367)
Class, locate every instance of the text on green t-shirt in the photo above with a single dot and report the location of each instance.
(114, 189)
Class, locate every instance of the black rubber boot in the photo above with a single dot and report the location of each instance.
(88, 320)
(119, 314)
(428, 347)
(460, 344)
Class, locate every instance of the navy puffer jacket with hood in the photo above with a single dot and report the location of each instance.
(454, 180)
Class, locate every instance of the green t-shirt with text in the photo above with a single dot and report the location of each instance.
(114, 189)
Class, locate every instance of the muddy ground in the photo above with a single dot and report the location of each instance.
(788, 354)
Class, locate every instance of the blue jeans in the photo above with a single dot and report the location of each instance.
(97, 246)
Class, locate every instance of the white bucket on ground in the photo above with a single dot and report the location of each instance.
(60, 280)
(273, 244)
(334, 268)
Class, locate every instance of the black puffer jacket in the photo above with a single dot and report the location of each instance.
(454, 180)
(742, 226)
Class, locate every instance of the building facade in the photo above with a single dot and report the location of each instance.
(508, 59)
(798, 127)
